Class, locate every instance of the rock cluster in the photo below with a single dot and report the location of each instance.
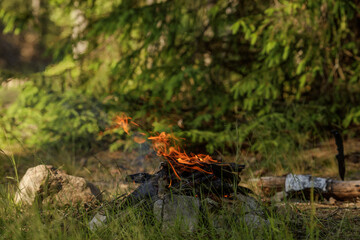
(48, 185)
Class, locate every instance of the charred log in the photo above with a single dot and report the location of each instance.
(220, 179)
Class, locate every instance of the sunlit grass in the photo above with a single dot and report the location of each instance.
(285, 220)
(47, 222)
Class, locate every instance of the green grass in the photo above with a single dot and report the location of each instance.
(51, 223)
(47, 222)
(287, 221)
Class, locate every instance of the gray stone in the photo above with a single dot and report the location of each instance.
(178, 210)
(245, 209)
(98, 221)
(158, 209)
(49, 185)
(210, 204)
(249, 204)
(254, 221)
(223, 222)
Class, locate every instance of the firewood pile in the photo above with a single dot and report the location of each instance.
(218, 180)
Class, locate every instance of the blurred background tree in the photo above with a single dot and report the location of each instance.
(226, 75)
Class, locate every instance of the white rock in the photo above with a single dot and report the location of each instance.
(249, 204)
(30, 184)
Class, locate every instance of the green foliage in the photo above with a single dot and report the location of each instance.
(14, 14)
(273, 74)
(307, 66)
(46, 118)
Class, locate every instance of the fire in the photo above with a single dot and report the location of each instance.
(166, 145)
(123, 122)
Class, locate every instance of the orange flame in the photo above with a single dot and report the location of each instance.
(166, 145)
(121, 121)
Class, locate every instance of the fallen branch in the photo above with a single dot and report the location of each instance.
(341, 190)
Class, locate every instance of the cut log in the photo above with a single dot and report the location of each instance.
(270, 185)
(344, 189)
(341, 190)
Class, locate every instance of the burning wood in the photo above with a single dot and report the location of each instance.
(166, 146)
(184, 184)
(182, 173)
(222, 181)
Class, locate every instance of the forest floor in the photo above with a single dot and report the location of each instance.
(107, 170)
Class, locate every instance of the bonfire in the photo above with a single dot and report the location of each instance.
(185, 173)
